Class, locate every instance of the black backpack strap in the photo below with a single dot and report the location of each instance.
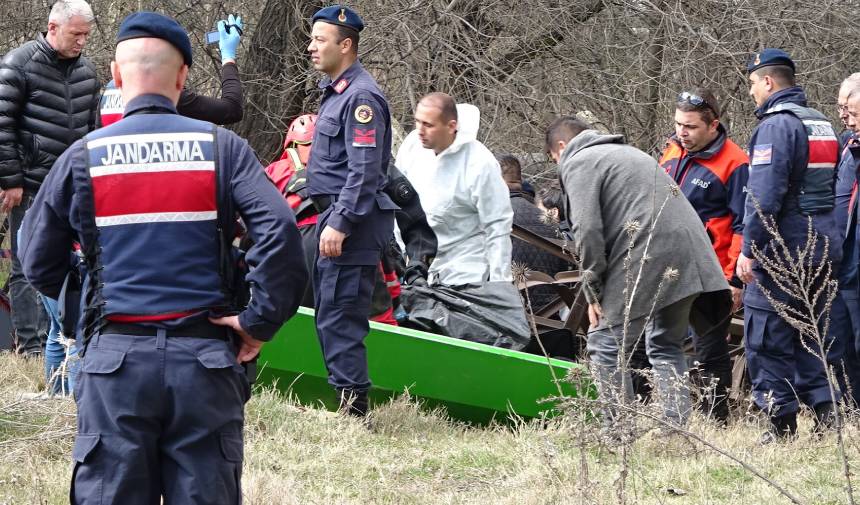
(225, 242)
(230, 259)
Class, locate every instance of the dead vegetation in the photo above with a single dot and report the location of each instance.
(296, 455)
(520, 63)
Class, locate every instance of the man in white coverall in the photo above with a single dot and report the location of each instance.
(465, 199)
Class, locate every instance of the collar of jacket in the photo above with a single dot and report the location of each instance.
(456, 146)
(587, 139)
(346, 77)
(468, 119)
(794, 94)
(149, 103)
(853, 147)
(49, 50)
(710, 150)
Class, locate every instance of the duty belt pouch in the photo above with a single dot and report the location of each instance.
(321, 203)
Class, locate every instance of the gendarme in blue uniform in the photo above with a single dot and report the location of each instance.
(161, 395)
(347, 168)
(793, 152)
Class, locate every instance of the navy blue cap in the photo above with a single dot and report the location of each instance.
(339, 15)
(157, 26)
(768, 58)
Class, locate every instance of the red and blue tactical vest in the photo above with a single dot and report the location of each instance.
(815, 190)
(111, 106)
(155, 197)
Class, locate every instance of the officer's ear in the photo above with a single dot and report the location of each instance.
(769, 82)
(181, 77)
(348, 45)
(115, 74)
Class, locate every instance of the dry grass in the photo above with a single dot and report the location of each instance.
(296, 455)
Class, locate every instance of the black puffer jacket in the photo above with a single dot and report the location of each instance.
(44, 108)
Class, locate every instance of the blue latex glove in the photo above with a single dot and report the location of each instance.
(228, 41)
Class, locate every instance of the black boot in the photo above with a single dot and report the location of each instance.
(825, 418)
(781, 428)
(352, 402)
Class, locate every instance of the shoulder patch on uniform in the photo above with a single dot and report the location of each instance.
(363, 114)
(364, 138)
(762, 154)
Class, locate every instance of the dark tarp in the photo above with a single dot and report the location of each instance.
(490, 313)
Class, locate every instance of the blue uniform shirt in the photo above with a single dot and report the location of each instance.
(278, 274)
(351, 148)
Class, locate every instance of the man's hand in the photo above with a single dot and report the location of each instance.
(594, 315)
(250, 347)
(737, 298)
(744, 269)
(331, 242)
(11, 198)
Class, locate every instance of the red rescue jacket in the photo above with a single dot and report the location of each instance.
(290, 177)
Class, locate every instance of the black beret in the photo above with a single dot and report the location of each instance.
(157, 26)
(339, 15)
(768, 58)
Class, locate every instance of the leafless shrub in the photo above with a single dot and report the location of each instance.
(806, 275)
(519, 63)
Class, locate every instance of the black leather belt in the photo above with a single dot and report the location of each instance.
(200, 329)
(323, 202)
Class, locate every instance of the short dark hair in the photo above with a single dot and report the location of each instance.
(444, 102)
(709, 110)
(553, 198)
(782, 74)
(563, 129)
(512, 171)
(345, 32)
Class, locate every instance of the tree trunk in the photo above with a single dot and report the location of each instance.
(276, 74)
(651, 135)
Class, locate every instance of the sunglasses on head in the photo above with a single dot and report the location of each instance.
(694, 100)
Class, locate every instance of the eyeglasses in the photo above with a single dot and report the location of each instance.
(694, 100)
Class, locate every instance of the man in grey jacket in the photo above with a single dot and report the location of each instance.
(644, 255)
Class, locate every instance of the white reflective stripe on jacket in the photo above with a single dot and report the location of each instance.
(467, 204)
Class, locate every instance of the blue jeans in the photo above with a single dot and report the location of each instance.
(55, 355)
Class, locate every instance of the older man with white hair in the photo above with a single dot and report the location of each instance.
(48, 99)
(848, 85)
(845, 313)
